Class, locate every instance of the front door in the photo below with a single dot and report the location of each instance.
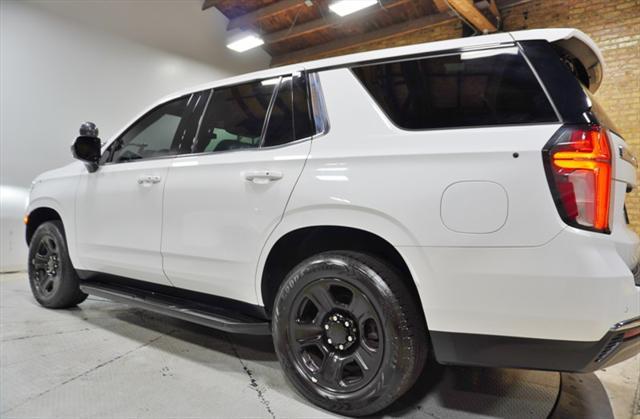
(119, 207)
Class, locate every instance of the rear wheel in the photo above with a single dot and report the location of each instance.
(348, 333)
(54, 282)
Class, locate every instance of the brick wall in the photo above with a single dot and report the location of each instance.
(613, 25)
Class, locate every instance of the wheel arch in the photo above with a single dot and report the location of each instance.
(298, 244)
(38, 216)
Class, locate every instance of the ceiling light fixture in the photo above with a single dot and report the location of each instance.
(346, 7)
(245, 43)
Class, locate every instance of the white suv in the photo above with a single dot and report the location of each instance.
(462, 198)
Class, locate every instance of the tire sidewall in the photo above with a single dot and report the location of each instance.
(369, 282)
(68, 277)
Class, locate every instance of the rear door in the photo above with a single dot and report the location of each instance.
(224, 198)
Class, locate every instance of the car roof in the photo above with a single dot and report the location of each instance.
(482, 41)
(474, 42)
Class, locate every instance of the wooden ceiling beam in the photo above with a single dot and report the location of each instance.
(493, 8)
(251, 18)
(333, 47)
(468, 10)
(325, 23)
(441, 5)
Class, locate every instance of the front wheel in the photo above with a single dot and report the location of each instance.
(54, 282)
(348, 333)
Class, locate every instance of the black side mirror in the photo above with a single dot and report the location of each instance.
(87, 146)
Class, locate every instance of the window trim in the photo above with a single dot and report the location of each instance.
(457, 52)
(314, 86)
(267, 117)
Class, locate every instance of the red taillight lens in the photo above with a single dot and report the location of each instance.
(578, 163)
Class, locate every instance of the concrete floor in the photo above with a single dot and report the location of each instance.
(106, 360)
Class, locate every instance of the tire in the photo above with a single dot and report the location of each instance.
(54, 282)
(348, 333)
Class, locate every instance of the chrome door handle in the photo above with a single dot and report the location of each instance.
(262, 176)
(148, 180)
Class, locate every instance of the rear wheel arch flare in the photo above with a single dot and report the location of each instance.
(297, 245)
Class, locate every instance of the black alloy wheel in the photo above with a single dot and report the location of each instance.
(336, 335)
(46, 266)
(349, 334)
(54, 282)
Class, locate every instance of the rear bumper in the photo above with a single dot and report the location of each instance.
(621, 342)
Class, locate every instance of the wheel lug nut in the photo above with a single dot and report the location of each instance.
(349, 338)
(334, 318)
(329, 340)
(326, 327)
(346, 324)
(341, 347)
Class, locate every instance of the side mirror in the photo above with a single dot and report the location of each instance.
(87, 146)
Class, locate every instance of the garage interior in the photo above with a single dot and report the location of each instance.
(66, 61)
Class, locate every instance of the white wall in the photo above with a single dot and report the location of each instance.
(64, 62)
(13, 251)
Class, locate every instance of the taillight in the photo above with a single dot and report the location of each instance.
(578, 165)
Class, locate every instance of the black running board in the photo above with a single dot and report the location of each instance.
(195, 312)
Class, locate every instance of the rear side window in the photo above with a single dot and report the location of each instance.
(491, 87)
(234, 118)
(290, 117)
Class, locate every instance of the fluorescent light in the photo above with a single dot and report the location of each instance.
(245, 43)
(346, 7)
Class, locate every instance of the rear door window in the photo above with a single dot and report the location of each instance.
(476, 88)
(234, 118)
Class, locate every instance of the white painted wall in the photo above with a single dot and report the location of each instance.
(66, 61)
(13, 251)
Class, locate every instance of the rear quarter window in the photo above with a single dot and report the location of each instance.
(476, 88)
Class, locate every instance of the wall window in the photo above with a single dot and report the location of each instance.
(234, 118)
(489, 87)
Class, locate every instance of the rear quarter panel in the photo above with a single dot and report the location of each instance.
(529, 276)
(367, 171)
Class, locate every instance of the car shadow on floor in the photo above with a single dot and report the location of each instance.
(440, 391)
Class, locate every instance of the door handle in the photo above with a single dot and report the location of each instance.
(148, 180)
(262, 176)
